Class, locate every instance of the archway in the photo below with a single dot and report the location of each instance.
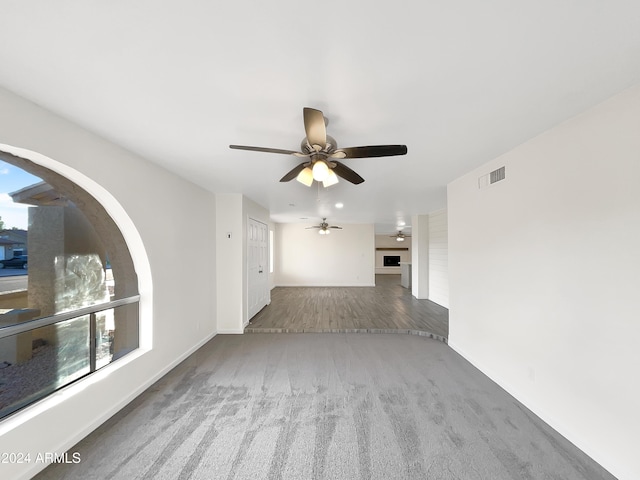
(81, 309)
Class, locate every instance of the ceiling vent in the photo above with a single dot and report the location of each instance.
(491, 178)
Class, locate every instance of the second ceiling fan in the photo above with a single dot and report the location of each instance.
(400, 236)
(324, 227)
(322, 154)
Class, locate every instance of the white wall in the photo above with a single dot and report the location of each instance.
(233, 211)
(544, 272)
(438, 258)
(429, 257)
(420, 256)
(155, 210)
(386, 241)
(344, 258)
(229, 261)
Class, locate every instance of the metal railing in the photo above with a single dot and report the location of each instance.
(10, 330)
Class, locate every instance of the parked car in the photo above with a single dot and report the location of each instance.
(19, 261)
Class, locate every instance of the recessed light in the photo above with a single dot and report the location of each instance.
(339, 205)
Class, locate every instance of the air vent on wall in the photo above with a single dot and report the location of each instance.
(491, 177)
(497, 175)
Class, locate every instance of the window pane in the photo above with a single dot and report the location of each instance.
(116, 333)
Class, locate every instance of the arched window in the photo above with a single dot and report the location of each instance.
(68, 287)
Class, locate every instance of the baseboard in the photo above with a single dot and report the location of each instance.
(230, 331)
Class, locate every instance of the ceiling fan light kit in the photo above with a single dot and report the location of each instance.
(322, 153)
(305, 176)
(320, 171)
(331, 179)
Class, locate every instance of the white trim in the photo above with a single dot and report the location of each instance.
(247, 316)
(231, 331)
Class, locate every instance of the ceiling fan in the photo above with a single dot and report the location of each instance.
(322, 154)
(324, 227)
(400, 236)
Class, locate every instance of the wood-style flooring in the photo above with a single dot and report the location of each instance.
(386, 308)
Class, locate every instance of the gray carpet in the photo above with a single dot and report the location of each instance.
(326, 406)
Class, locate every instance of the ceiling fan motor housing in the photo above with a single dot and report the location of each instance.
(330, 146)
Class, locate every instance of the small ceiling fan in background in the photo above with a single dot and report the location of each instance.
(324, 227)
(323, 153)
(400, 236)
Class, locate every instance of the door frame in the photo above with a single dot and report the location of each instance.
(267, 290)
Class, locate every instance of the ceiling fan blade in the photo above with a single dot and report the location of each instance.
(293, 173)
(336, 227)
(314, 127)
(373, 151)
(346, 173)
(263, 149)
(315, 226)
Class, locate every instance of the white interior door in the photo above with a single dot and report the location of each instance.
(257, 265)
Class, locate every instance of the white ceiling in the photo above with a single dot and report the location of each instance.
(458, 81)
